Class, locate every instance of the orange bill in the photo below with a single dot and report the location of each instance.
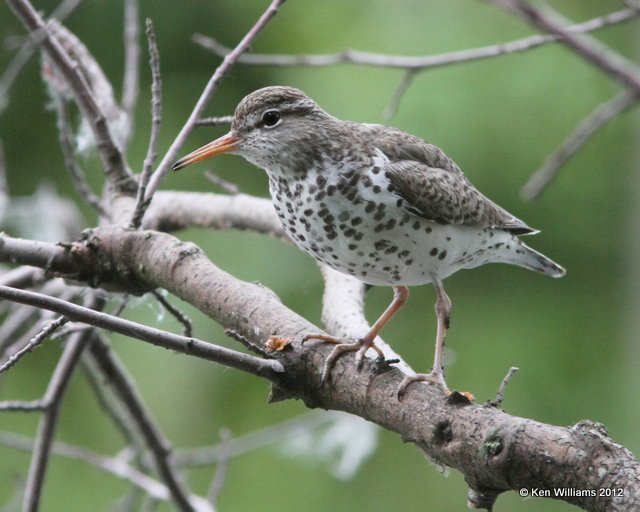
(224, 144)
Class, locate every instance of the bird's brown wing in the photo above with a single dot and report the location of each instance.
(432, 185)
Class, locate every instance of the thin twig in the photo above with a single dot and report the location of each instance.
(207, 94)
(503, 387)
(124, 386)
(20, 405)
(46, 429)
(47, 331)
(273, 434)
(130, 82)
(609, 61)
(602, 114)
(77, 174)
(418, 63)
(398, 93)
(114, 466)
(269, 369)
(214, 121)
(12, 71)
(221, 469)
(256, 349)
(176, 313)
(112, 159)
(156, 107)
(4, 187)
(226, 186)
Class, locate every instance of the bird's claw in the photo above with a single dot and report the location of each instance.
(434, 377)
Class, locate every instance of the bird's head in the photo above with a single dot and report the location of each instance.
(271, 126)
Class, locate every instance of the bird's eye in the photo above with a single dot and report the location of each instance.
(271, 118)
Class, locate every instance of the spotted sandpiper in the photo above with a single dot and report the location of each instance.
(374, 202)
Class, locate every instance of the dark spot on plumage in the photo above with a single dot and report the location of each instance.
(448, 239)
(408, 262)
(349, 232)
(403, 254)
(358, 236)
(352, 247)
(442, 255)
(361, 254)
(376, 189)
(331, 189)
(433, 252)
(381, 244)
(344, 215)
(390, 187)
(356, 220)
(376, 170)
(416, 225)
(329, 218)
(399, 203)
(404, 220)
(323, 212)
(370, 207)
(321, 181)
(379, 228)
(386, 269)
(308, 212)
(379, 215)
(320, 195)
(312, 189)
(332, 236)
(391, 250)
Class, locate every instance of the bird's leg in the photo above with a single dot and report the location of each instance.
(443, 314)
(400, 297)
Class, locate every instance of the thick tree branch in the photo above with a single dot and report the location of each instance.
(495, 451)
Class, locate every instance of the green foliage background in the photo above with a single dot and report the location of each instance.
(575, 340)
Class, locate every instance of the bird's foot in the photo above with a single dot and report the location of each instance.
(342, 346)
(434, 377)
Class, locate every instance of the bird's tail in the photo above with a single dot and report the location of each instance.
(534, 260)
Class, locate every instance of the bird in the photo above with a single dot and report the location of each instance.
(374, 202)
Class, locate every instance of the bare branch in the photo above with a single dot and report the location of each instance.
(214, 121)
(612, 63)
(156, 106)
(159, 446)
(497, 401)
(52, 400)
(130, 82)
(114, 466)
(221, 470)
(226, 186)
(177, 210)
(47, 331)
(112, 158)
(71, 163)
(268, 369)
(398, 93)
(176, 313)
(12, 71)
(18, 405)
(417, 63)
(22, 277)
(589, 126)
(207, 94)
